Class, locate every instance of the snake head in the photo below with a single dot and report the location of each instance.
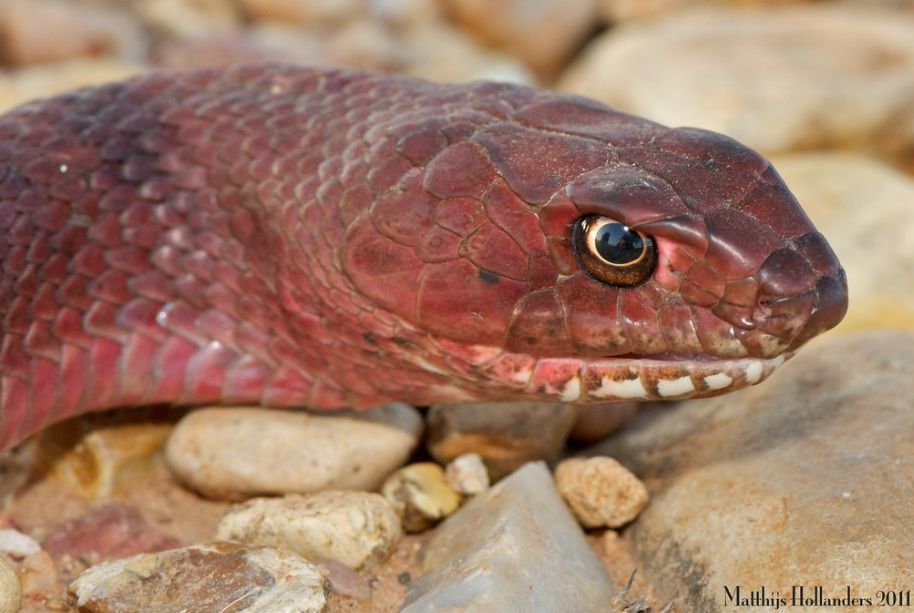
(721, 275)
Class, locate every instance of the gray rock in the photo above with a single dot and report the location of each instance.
(235, 453)
(213, 577)
(515, 547)
(805, 480)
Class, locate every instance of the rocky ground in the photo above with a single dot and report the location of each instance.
(806, 480)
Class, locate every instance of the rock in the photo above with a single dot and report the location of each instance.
(421, 495)
(872, 240)
(515, 547)
(10, 589)
(212, 577)
(615, 11)
(235, 453)
(34, 82)
(595, 421)
(542, 33)
(776, 79)
(600, 491)
(186, 18)
(467, 474)
(804, 480)
(506, 435)
(16, 543)
(109, 531)
(302, 12)
(445, 54)
(405, 13)
(43, 31)
(41, 584)
(358, 529)
(88, 462)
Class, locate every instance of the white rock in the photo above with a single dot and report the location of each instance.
(358, 529)
(600, 491)
(235, 453)
(515, 547)
(19, 544)
(467, 474)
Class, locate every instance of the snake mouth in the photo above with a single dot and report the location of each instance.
(630, 377)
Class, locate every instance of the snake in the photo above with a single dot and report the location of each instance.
(291, 236)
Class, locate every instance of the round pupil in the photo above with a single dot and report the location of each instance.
(617, 244)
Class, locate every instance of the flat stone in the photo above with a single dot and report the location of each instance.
(804, 480)
(421, 495)
(775, 78)
(600, 492)
(864, 208)
(110, 531)
(542, 33)
(211, 577)
(515, 547)
(10, 588)
(358, 529)
(505, 435)
(236, 453)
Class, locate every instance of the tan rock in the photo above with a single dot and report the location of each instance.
(212, 577)
(303, 12)
(467, 474)
(34, 82)
(10, 589)
(187, 18)
(542, 33)
(864, 208)
(506, 435)
(600, 491)
(42, 31)
(626, 10)
(776, 79)
(405, 13)
(806, 476)
(358, 529)
(421, 495)
(234, 453)
(88, 462)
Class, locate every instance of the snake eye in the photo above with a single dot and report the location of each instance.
(612, 252)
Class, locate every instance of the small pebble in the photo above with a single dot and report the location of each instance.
(421, 495)
(16, 543)
(237, 453)
(358, 529)
(467, 474)
(600, 491)
(211, 577)
(10, 588)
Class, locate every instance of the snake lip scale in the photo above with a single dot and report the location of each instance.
(293, 236)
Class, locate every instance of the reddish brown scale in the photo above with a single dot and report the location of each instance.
(290, 236)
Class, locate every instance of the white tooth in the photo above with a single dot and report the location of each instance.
(718, 381)
(572, 390)
(675, 387)
(630, 388)
(522, 376)
(754, 371)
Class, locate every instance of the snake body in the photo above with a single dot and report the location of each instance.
(300, 237)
